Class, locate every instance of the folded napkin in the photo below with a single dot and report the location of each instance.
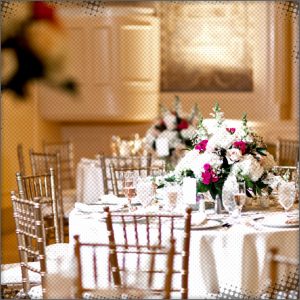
(198, 219)
(82, 207)
(293, 221)
(112, 199)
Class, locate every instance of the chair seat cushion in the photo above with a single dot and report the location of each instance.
(11, 274)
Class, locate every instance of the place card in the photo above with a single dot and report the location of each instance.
(162, 147)
(189, 190)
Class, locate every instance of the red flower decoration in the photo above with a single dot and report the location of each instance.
(41, 10)
(184, 124)
(240, 145)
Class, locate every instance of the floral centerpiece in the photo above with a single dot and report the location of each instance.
(173, 125)
(223, 152)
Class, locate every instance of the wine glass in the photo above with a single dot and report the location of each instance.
(144, 191)
(239, 197)
(286, 195)
(155, 173)
(172, 192)
(129, 186)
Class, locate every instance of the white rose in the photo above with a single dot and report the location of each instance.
(233, 155)
(172, 138)
(188, 132)
(170, 121)
(248, 166)
(267, 162)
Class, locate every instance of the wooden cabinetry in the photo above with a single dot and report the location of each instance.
(115, 60)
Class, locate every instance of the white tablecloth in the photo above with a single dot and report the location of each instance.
(234, 258)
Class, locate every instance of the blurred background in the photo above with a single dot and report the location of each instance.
(86, 71)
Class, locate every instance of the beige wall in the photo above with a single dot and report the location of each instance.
(21, 123)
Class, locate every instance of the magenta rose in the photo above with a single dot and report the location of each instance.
(209, 175)
(240, 145)
(201, 146)
(231, 130)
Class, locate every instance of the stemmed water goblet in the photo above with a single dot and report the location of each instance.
(129, 182)
(239, 197)
(286, 195)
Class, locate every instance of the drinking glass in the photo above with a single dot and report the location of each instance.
(172, 192)
(129, 186)
(286, 195)
(239, 197)
(144, 191)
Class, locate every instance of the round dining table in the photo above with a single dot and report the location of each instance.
(226, 257)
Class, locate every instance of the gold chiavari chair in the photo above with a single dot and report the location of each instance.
(21, 159)
(120, 161)
(117, 173)
(120, 288)
(66, 151)
(31, 240)
(290, 268)
(158, 229)
(44, 187)
(290, 172)
(40, 164)
(287, 152)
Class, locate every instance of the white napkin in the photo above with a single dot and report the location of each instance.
(198, 219)
(112, 199)
(82, 207)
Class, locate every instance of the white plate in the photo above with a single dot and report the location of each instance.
(276, 222)
(207, 224)
(97, 208)
(128, 220)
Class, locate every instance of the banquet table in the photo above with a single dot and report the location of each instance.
(221, 258)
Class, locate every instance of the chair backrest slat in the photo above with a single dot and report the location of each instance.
(20, 153)
(66, 150)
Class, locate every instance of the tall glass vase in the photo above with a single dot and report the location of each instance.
(219, 208)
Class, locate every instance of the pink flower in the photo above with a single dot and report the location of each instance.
(206, 177)
(201, 146)
(207, 167)
(240, 145)
(231, 130)
(209, 175)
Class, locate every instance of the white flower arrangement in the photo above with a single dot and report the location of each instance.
(174, 125)
(225, 152)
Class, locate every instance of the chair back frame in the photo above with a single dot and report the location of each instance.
(29, 227)
(287, 152)
(66, 151)
(44, 187)
(115, 173)
(110, 218)
(120, 161)
(40, 164)
(114, 250)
